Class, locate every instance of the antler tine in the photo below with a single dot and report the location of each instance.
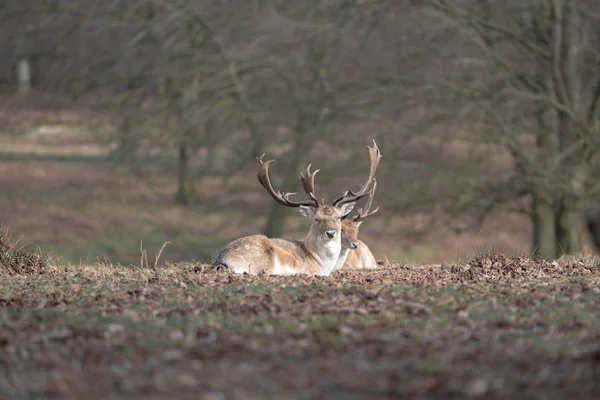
(364, 214)
(308, 183)
(375, 156)
(281, 198)
(349, 196)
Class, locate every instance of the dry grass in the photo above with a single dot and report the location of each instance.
(494, 327)
(16, 259)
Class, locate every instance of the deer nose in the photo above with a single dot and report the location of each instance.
(354, 245)
(330, 234)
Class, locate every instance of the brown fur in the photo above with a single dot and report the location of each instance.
(257, 253)
(361, 258)
(349, 233)
(325, 212)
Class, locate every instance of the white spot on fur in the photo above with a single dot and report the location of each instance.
(282, 269)
(239, 269)
(367, 259)
(341, 259)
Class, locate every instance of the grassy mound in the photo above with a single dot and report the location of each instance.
(17, 259)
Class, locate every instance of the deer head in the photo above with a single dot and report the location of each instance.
(327, 219)
(350, 225)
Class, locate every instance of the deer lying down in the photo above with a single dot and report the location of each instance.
(317, 254)
(355, 253)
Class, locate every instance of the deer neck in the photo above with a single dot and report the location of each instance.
(326, 253)
(341, 259)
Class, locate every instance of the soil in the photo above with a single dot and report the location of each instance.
(494, 328)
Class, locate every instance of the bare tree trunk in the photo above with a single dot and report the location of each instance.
(569, 225)
(569, 216)
(591, 221)
(544, 234)
(24, 76)
(184, 194)
(569, 75)
(128, 142)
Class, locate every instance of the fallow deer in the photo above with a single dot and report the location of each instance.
(357, 253)
(317, 254)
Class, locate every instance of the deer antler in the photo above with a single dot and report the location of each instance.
(364, 214)
(308, 183)
(349, 195)
(283, 198)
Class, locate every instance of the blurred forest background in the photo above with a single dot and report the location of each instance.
(142, 119)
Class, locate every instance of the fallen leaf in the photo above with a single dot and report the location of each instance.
(476, 388)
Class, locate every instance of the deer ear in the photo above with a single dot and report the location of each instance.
(346, 208)
(307, 211)
(358, 223)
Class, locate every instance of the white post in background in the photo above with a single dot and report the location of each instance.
(24, 76)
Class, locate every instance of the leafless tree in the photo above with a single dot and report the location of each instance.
(534, 88)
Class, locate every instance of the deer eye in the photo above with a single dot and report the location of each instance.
(316, 220)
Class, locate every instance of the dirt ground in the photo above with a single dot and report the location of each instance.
(491, 328)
